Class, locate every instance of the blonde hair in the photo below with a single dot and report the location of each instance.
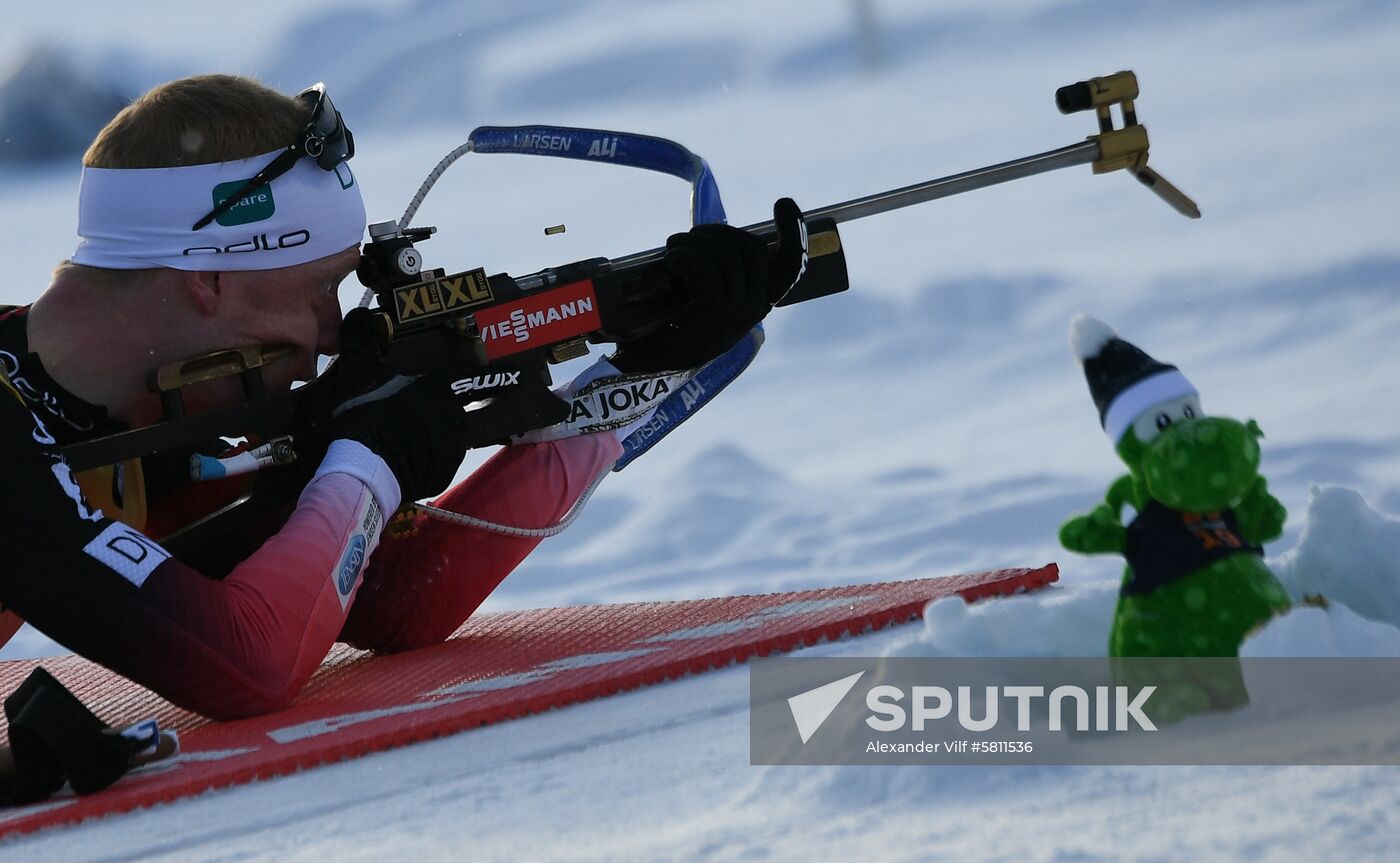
(196, 121)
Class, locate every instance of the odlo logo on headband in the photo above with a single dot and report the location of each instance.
(255, 206)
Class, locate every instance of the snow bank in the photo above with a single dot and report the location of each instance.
(1349, 553)
(1332, 631)
(1058, 621)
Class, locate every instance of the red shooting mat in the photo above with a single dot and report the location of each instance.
(495, 668)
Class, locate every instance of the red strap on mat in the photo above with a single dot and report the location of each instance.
(496, 667)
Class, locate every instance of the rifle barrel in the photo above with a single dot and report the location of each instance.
(955, 184)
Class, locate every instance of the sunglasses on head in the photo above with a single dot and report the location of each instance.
(325, 140)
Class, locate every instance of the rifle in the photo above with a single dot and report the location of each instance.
(493, 338)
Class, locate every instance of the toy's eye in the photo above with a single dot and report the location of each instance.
(1188, 412)
(1163, 421)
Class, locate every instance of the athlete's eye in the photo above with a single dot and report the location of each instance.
(1188, 412)
(1163, 421)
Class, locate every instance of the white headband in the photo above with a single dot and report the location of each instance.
(132, 219)
(1164, 386)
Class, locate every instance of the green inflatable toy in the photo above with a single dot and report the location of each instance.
(1195, 583)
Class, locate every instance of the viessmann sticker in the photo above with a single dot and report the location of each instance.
(540, 320)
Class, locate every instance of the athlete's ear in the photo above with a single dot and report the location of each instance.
(206, 290)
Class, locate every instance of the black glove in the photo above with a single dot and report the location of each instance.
(730, 280)
(415, 425)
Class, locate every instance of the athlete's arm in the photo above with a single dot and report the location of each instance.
(240, 646)
(246, 644)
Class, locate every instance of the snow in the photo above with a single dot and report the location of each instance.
(37, 125)
(930, 421)
(1348, 553)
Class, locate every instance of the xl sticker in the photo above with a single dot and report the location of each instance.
(440, 296)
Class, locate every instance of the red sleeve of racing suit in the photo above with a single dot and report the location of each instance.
(237, 647)
(422, 585)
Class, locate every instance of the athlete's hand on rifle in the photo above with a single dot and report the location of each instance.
(415, 425)
(731, 280)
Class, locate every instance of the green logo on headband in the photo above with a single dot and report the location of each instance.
(255, 206)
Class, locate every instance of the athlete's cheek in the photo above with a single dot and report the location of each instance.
(328, 327)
